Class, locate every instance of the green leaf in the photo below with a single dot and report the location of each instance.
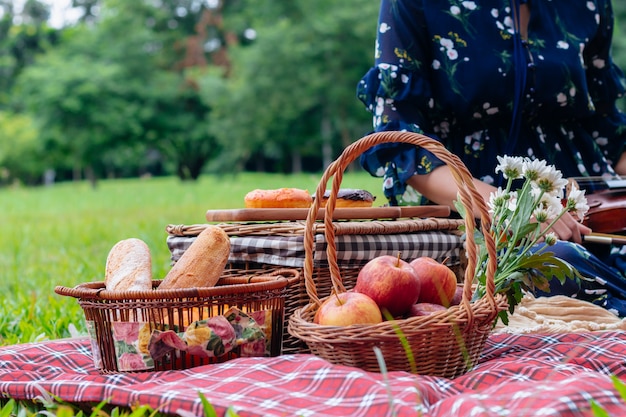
(597, 410)
(209, 410)
(620, 386)
(460, 208)
(7, 409)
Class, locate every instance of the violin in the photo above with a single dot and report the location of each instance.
(607, 203)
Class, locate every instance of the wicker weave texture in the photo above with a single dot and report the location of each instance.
(446, 343)
(297, 228)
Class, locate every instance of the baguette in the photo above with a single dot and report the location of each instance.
(129, 266)
(202, 263)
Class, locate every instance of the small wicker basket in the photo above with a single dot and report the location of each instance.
(127, 327)
(446, 343)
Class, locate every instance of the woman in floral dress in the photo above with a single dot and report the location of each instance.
(532, 78)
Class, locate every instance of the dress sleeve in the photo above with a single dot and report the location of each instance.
(606, 85)
(397, 92)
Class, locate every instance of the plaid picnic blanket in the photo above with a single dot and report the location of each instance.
(518, 375)
(289, 251)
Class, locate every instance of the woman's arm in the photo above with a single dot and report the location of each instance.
(439, 186)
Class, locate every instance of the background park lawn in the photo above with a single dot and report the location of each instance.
(61, 235)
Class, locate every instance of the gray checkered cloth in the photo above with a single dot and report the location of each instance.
(351, 249)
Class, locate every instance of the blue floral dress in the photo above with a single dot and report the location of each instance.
(459, 72)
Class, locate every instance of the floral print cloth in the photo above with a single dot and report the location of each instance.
(457, 71)
(137, 344)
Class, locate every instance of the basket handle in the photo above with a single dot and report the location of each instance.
(469, 197)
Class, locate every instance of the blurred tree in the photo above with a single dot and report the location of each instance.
(90, 10)
(120, 84)
(21, 151)
(24, 35)
(35, 13)
(291, 93)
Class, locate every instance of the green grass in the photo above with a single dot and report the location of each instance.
(61, 235)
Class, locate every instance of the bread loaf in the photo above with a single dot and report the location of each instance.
(129, 266)
(278, 198)
(202, 264)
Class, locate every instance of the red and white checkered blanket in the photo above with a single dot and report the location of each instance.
(518, 375)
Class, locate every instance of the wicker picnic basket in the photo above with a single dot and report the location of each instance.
(412, 231)
(446, 343)
(134, 331)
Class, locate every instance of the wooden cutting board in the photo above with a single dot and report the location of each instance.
(291, 214)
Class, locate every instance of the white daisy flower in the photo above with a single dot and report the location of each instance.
(548, 207)
(534, 168)
(551, 239)
(577, 202)
(510, 166)
(551, 181)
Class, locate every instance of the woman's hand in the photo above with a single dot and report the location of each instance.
(440, 187)
(568, 228)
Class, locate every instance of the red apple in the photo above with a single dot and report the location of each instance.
(437, 280)
(458, 296)
(391, 282)
(348, 308)
(424, 309)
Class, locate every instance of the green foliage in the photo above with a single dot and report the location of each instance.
(21, 44)
(82, 108)
(114, 87)
(21, 153)
(192, 86)
(293, 89)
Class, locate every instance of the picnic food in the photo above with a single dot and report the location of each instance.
(438, 282)
(424, 309)
(351, 197)
(458, 296)
(391, 282)
(278, 198)
(129, 266)
(202, 263)
(348, 308)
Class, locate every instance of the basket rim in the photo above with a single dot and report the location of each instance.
(297, 228)
(276, 280)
